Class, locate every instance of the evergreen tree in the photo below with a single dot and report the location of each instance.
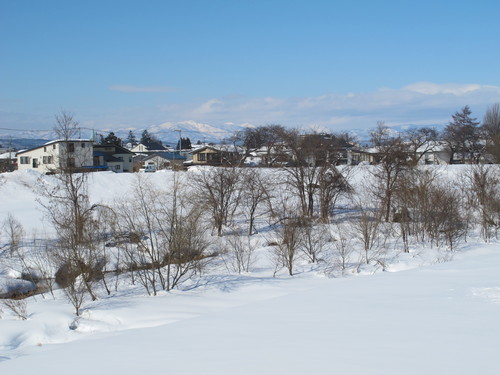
(463, 136)
(151, 141)
(185, 144)
(146, 138)
(131, 138)
(111, 139)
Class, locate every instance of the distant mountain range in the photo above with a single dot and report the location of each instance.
(21, 143)
(171, 132)
(168, 132)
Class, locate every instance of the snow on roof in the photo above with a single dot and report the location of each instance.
(66, 140)
(433, 146)
(221, 148)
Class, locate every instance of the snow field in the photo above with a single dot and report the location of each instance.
(426, 315)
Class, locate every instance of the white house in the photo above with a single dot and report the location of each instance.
(145, 148)
(56, 155)
(434, 153)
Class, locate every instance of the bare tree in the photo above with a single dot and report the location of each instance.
(288, 231)
(147, 246)
(66, 127)
(314, 241)
(19, 307)
(43, 264)
(393, 160)
(19, 250)
(15, 234)
(240, 253)
(483, 187)
(491, 120)
(255, 193)
(312, 169)
(413, 194)
(332, 185)
(166, 243)
(367, 229)
(290, 239)
(343, 250)
(447, 223)
(419, 142)
(491, 130)
(218, 189)
(67, 205)
(268, 140)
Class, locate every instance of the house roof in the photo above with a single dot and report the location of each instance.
(434, 146)
(118, 149)
(106, 156)
(166, 155)
(53, 142)
(151, 146)
(217, 149)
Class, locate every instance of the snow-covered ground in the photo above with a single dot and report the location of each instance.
(420, 317)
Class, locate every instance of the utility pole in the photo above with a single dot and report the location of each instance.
(180, 139)
(10, 167)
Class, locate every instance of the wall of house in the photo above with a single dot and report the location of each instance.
(115, 166)
(140, 148)
(207, 157)
(42, 159)
(81, 153)
(50, 157)
(128, 165)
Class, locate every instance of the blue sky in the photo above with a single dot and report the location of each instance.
(331, 65)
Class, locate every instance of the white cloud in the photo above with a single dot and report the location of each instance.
(141, 89)
(208, 107)
(430, 88)
(421, 103)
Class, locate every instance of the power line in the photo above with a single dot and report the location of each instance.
(26, 130)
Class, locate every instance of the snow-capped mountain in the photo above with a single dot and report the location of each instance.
(195, 131)
(168, 132)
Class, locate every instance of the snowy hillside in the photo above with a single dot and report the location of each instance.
(431, 312)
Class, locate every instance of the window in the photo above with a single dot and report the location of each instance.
(71, 147)
(214, 157)
(54, 146)
(24, 160)
(44, 148)
(201, 157)
(118, 167)
(47, 160)
(35, 163)
(83, 145)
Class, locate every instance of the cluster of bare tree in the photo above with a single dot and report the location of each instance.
(162, 237)
(464, 137)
